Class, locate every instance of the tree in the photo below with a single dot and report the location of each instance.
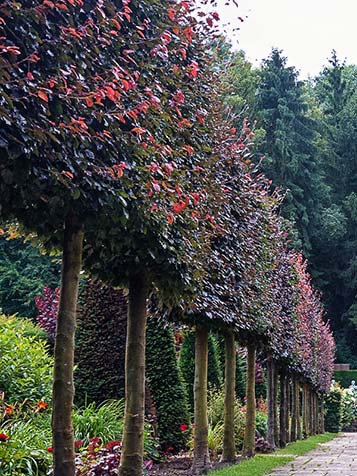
(24, 272)
(79, 121)
(289, 143)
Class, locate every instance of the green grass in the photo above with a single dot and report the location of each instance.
(263, 464)
(304, 446)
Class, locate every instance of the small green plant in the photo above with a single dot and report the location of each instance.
(333, 409)
(105, 421)
(25, 452)
(25, 437)
(25, 365)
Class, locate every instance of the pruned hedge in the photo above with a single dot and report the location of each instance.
(100, 343)
(345, 377)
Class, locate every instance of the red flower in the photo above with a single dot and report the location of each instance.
(183, 427)
(3, 437)
(113, 445)
(50, 450)
(78, 444)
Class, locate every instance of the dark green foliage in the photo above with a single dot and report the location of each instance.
(166, 387)
(23, 274)
(334, 256)
(289, 144)
(100, 343)
(241, 372)
(333, 409)
(345, 377)
(187, 364)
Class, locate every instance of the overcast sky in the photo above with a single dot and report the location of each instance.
(307, 30)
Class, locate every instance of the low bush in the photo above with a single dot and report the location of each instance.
(349, 407)
(333, 409)
(25, 440)
(25, 451)
(216, 423)
(25, 365)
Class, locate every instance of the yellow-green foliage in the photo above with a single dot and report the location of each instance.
(25, 365)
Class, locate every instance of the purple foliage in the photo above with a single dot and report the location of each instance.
(47, 306)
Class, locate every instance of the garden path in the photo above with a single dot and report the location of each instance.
(337, 457)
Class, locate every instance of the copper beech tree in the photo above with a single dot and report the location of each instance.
(86, 122)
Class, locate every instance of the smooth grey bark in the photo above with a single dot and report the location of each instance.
(201, 461)
(63, 386)
(249, 434)
(131, 463)
(229, 447)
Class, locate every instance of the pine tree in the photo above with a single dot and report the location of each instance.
(289, 143)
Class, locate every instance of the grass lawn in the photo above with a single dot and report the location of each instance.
(264, 464)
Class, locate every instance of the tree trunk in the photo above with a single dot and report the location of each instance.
(229, 447)
(200, 450)
(295, 409)
(271, 397)
(249, 435)
(298, 411)
(131, 463)
(322, 416)
(63, 386)
(306, 411)
(276, 388)
(316, 413)
(283, 410)
(288, 409)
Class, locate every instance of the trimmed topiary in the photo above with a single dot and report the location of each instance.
(100, 343)
(166, 387)
(345, 377)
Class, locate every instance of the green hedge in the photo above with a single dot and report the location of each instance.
(166, 387)
(333, 410)
(345, 377)
(100, 343)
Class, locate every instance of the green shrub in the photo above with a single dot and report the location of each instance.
(187, 365)
(166, 386)
(333, 409)
(216, 421)
(261, 422)
(104, 421)
(26, 452)
(25, 366)
(349, 407)
(345, 377)
(100, 343)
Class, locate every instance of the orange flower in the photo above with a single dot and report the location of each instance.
(41, 406)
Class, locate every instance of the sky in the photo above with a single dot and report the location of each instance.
(306, 30)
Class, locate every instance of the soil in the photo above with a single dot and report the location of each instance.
(179, 466)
